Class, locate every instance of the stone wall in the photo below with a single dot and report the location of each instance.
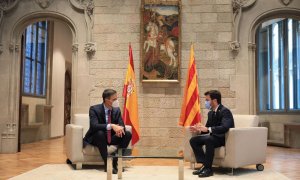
(207, 23)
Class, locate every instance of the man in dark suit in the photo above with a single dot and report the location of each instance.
(219, 121)
(107, 126)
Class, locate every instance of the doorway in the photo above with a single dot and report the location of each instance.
(46, 56)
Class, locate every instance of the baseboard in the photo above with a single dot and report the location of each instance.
(57, 137)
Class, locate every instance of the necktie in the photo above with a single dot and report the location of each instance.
(109, 131)
(214, 115)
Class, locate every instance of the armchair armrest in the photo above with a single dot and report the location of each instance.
(246, 146)
(188, 151)
(74, 143)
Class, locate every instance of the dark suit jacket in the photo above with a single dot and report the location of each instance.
(98, 121)
(221, 123)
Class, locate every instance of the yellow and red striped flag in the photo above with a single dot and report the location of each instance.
(130, 113)
(190, 109)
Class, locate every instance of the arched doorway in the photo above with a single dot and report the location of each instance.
(16, 18)
(46, 54)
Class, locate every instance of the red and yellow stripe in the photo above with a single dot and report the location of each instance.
(190, 109)
(130, 113)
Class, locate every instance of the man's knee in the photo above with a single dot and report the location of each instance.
(128, 134)
(100, 135)
(210, 141)
(193, 140)
(99, 139)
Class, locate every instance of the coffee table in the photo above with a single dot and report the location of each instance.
(145, 153)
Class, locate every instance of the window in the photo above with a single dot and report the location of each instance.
(35, 59)
(278, 65)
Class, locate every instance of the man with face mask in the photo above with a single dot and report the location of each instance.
(219, 121)
(107, 126)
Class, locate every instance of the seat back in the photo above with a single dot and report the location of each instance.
(245, 121)
(82, 120)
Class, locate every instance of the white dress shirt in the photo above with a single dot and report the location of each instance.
(108, 126)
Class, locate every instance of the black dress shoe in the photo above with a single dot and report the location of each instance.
(126, 152)
(206, 172)
(115, 171)
(116, 168)
(197, 172)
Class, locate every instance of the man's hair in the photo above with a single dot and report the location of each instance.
(214, 94)
(107, 93)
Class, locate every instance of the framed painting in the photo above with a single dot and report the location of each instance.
(160, 41)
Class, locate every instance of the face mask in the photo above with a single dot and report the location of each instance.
(207, 105)
(115, 104)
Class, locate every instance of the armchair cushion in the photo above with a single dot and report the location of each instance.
(91, 150)
(220, 152)
(245, 121)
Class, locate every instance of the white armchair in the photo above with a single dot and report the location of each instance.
(75, 152)
(245, 144)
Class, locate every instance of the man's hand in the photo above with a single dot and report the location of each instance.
(193, 129)
(203, 129)
(118, 129)
(120, 133)
(198, 128)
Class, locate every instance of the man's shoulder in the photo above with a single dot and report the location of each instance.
(96, 106)
(223, 108)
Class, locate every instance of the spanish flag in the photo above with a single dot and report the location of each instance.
(190, 109)
(130, 113)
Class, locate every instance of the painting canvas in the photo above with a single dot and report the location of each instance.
(160, 42)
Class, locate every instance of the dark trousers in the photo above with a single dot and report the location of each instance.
(100, 141)
(210, 142)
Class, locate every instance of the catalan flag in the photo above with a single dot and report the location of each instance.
(190, 109)
(130, 113)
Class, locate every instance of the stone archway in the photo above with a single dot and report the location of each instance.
(277, 133)
(247, 19)
(270, 14)
(12, 26)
